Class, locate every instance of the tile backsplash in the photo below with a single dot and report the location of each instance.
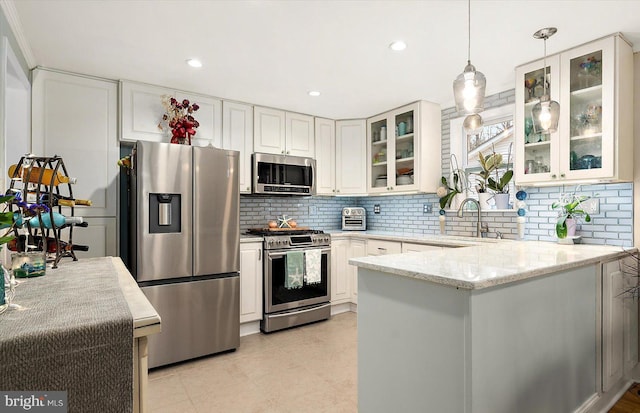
(613, 225)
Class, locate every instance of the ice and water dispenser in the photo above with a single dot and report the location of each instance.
(164, 213)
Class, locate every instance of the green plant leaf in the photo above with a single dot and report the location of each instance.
(4, 240)
(6, 198)
(504, 181)
(561, 227)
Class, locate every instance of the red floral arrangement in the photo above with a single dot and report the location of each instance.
(179, 118)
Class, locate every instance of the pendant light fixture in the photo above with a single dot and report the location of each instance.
(546, 112)
(469, 87)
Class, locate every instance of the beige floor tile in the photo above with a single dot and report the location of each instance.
(310, 368)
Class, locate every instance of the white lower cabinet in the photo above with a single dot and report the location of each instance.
(340, 274)
(619, 324)
(250, 281)
(380, 247)
(357, 249)
(100, 236)
(411, 247)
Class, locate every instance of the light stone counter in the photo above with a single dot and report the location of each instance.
(488, 264)
(244, 238)
(448, 241)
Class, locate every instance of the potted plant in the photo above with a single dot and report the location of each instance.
(500, 185)
(453, 196)
(570, 211)
(488, 164)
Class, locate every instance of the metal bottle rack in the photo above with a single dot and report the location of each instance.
(26, 187)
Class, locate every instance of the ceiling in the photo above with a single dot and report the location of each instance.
(273, 52)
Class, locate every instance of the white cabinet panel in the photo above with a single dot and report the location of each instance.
(340, 273)
(209, 116)
(269, 130)
(237, 134)
(357, 249)
(350, 157)
(411, 247)
(141, 110)
(380, 247)
(325, 156)
(299, 132)
(88, 143)
(100, 236)
(250, 281)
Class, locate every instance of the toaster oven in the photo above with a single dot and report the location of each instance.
(354, 219)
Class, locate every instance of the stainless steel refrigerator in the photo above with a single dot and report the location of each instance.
(185, 247)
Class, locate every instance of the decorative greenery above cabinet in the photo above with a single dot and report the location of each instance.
(594, 142)
(403, 149)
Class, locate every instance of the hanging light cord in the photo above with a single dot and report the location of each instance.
(544, 80)
(469, 32)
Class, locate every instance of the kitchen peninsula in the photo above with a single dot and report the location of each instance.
(496, 327)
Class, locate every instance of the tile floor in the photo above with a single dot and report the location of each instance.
(306, 369)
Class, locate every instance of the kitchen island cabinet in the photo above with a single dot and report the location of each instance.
(504, 327)
(72, 333)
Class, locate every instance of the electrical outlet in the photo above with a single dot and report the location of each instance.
(591, 206)
(376, 209)
(313, 210)
(427, 208)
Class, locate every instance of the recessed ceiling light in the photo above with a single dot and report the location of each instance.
(194, 63)
(398, 45)
(314, 93)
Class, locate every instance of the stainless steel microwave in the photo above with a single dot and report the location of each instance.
(283, 175)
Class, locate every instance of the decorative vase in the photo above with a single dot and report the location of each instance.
(483, 199)
(501, 200)
(571, 227)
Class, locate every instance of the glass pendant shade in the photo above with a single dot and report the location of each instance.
(473, 123)
(469, 89)
(546, 114)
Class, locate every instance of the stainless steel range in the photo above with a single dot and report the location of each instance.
(297, 274)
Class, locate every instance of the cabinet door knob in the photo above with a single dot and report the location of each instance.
(333, 190)
(288, 152)
(553, 176)
(337, 190)
(561, 175)
(282, 152)
(248, 188)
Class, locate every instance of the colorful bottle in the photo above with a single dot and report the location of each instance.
(48, 177)
(18, 244)
(57, 199)
(59, 220)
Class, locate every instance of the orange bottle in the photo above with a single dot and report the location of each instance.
(48, 177)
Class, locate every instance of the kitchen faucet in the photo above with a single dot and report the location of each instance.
(479, 229)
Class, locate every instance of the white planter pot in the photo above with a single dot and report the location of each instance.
(484, 198)
(502, 201)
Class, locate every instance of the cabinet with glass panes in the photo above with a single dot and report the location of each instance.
(402, 148)
(594, 140)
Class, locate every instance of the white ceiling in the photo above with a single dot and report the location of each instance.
(273, 52)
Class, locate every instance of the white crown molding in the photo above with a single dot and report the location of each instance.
(10, 12)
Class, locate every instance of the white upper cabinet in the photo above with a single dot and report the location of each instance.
(403, 150)
(351, 151)
(237, 135)
(209, 116)
(594, 140)
(141, 113)
(283, 133)
(88, 143)
(325, 156)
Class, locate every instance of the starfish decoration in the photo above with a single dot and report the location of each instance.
(283, 222)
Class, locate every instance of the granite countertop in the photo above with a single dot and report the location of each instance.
(487, 264)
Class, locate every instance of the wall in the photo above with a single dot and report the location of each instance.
(404, 213)
(5, 30)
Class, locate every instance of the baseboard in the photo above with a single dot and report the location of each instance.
(340, 308)
(249, 328)
(605, 401)
(588, 404)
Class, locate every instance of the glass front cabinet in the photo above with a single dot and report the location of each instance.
(593, 84)
(403, 150)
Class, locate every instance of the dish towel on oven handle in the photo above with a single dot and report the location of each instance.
(295, 270)
(313, 273)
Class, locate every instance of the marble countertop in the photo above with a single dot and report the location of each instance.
(429, 239)
(488, 264)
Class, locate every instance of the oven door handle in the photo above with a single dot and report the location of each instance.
(283, 253)
(287, 314)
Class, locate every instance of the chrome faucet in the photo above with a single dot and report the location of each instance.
(479, 229)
